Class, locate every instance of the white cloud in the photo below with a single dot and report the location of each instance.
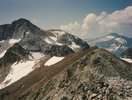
(72, 28)
(94, 25)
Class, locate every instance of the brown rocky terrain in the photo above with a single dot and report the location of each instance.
(93, 74)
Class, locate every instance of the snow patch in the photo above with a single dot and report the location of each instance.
(54, 41)
(120, 40)
(53, 60)
(13, 41)
(74, 46)
(62, 33)
(114, 48)
(127, 60)
(18, 70)
(105, 39)
(2, 54)
(58, 32)
(36, 55)
(53, 38)
(57, 43)
(109, 37)
(27, 32)
(48, 41)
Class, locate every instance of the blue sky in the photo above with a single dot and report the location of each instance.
(54, 13)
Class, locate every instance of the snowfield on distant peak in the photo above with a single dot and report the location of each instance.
(53, 60)
(58, 32)
(120, 40)
(74, 46)
(109, 38)
(52, 40)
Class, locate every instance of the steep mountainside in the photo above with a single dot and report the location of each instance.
(113, 42)
(93, 74)
(24, 44)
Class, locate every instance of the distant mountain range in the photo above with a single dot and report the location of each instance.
(113, 42)
(38, 64)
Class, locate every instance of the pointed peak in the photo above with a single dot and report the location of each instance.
(21, 20)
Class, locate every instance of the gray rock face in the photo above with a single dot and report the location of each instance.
(5, 32)
(18, 29)
(58, 50)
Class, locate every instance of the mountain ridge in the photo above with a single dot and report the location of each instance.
(84, 71)
(113, 42)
